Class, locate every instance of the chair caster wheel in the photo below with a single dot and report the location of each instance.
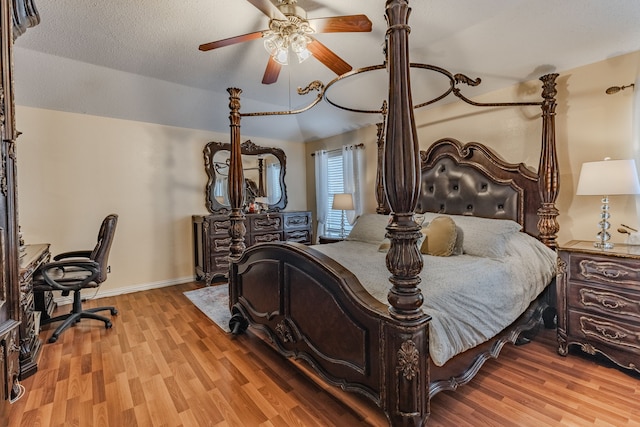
(53, 339)
(108, 325)
(114, 311)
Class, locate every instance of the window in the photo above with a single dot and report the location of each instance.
(335, 185)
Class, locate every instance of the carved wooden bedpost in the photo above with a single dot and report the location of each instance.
(237, 228)
(549, 179)
(381, 198)
(406, 339)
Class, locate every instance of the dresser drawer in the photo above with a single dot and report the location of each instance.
(605, 270)
(266, 237)
(618, 301)
(220, 262)
(218, 226)
(299, 236)
(264, 223)
(617, 335)
(219, 245)
(297, 220)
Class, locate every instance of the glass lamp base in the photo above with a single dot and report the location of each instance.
(603, 245)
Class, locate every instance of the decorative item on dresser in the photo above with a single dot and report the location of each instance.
(598, 301)
(16, 16)
(31, 259)
(211, 237)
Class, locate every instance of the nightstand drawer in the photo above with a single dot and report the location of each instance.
(595, 329)
(607, 301)
(605, 270)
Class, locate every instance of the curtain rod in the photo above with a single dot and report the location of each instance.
(350, 147)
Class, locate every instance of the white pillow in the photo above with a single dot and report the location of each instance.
(369, 228)
(483, 237)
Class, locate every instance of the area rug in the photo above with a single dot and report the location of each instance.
(214, 302)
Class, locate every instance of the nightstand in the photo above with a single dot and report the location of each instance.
(598, 299)
(329, 239)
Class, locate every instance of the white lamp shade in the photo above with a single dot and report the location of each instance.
(608, 177)
(343, 202)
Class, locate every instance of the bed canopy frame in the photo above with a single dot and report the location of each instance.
(405, 396)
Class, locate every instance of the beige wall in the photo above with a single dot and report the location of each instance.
(590, 125)
(74, 169)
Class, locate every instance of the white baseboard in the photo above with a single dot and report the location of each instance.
(102, 293)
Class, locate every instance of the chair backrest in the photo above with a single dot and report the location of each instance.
(100, 253)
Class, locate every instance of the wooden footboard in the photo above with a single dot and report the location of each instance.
(314, 309)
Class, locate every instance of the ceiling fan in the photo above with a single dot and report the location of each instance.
(290, 30)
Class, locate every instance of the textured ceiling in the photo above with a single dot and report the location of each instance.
(502, 41)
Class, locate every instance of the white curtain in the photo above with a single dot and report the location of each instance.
(274, 191)
(220, 192)
(322, 193)
(353, 170)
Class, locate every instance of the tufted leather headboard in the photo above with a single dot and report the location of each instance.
(469, 179)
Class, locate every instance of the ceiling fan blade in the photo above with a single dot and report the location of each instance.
(268, 9)
(272, 72)
(328, 58)
(230, 40)
(342, 24)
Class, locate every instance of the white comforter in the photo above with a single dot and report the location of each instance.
(470, 298)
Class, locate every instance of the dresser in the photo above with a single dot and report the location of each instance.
(598, 301)
(211, 237)
(31, 258)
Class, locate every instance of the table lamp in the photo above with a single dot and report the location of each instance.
(343, 202)
(606, 178)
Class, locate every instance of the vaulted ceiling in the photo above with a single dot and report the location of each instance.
(153, 45)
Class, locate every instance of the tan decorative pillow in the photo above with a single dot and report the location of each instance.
(440, 237)
(384, 245)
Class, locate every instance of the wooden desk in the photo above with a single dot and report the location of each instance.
(31, 259)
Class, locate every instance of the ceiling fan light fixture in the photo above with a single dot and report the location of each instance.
(281, 56)
(299, 42)
(272, 43)
(303, 55)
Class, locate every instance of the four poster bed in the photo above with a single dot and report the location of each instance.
(420, 333)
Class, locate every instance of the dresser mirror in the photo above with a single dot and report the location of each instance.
(263, 168)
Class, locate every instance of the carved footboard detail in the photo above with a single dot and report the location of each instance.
(313, 309)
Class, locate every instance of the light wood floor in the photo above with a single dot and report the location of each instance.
(165, 364)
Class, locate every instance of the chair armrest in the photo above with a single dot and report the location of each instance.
(54, 280)
(72, 254)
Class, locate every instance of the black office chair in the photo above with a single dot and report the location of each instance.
(77, 270)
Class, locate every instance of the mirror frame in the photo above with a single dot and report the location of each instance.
(247, 148)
